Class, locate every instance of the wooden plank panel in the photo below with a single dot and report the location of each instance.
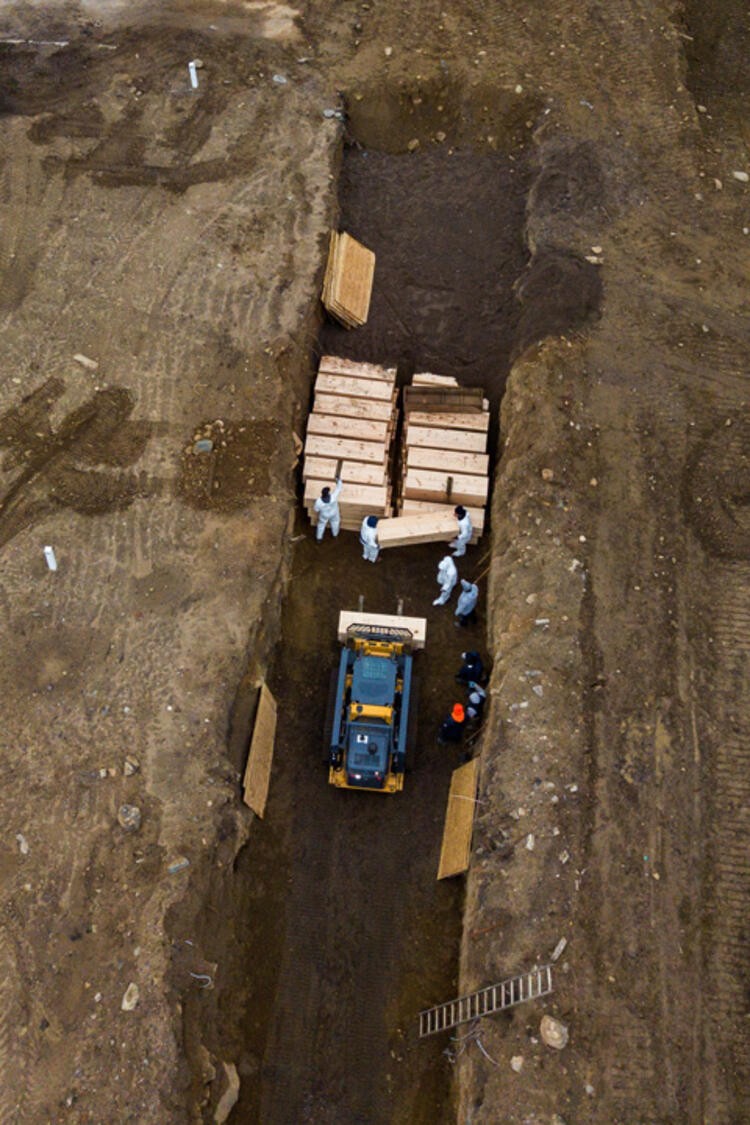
(347, 294)
(367, 497)
(362, 429)
(257, 777)
(344, 407)
(428, 437)
(340, 448)
(418, 527)
(448, 461)
(417, 625)
(421, 484)
(322, 469)
(415, 506)
(448, 421)
(455, 850)
(338, 365)
(353, 388)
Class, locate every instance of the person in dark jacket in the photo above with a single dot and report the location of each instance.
(452, 727)
(471, 669)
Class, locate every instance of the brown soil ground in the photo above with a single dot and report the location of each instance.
(551, 194)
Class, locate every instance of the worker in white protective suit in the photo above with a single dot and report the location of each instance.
(447, 577)
(368, 537)
(327, 507)
(467, 603)
(465, 531)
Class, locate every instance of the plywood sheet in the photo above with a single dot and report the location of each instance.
(433, 437)
(459, 821)
(260, 758)
(417, 625)
(347, 285)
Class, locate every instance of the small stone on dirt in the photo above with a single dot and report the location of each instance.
(203, 445)
(178, 864)
(530, 842)
(440, 136)
(198, 64)
(553, 1032)
(743, 177)
(548, 474)
(23, 843)
(413, 145)
(131, 997)
(559, 949)
(130, 766)
(129, 817)
(84, 361)
(516, 1063)
(388, 51)
(280, 80)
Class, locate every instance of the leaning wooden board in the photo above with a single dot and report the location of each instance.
(459, 821)
(416, 625)
(260, 757)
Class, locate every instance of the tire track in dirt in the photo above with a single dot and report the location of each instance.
(728, 946)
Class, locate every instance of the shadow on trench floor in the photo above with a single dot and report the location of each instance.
(349, 934)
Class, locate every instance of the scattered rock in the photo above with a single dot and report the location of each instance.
(559, 949)
(530, 842)
(198, 64)
(548, 474)
(388, 51)
(516, 1063)
(84, 361)
(23, 843)
(130, 766)
(589, 1089)
(229, 1098)
(413, 145)
(553, 1032)
(129, 817)
(178, 864)
(131, 997)
(279, 79)
(596, 249)
(440, 136)
(203, 445)
(741, 176)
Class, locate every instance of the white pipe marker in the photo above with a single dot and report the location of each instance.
(193, 72)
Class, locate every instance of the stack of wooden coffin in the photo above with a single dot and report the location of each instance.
(444, 462)
(347, 285)
(352, 421)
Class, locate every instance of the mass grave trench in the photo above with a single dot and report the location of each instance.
(344, 932)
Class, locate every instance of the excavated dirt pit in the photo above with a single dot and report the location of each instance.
(347, 932)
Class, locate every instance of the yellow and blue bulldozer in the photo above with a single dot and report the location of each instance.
(373, 702)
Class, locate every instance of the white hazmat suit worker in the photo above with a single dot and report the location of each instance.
(327, 507)
(467, 602)
(447, 577)
(368, 537)
(465, 531)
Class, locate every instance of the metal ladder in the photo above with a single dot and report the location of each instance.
(516, 990)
